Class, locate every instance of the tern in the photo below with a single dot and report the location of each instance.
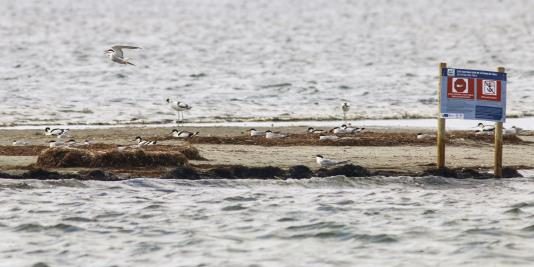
(270, 135)
(55, 144)
(512, 131)
(424, 136)
(141, 142)
(183, 134)
(328, 138)
(315, 131)
(116, 55)
(323, 162)
(254, 132)
(179, 107)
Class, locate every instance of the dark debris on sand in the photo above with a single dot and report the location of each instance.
(360, 139)
(72, 157)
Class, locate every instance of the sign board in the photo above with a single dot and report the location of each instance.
(473, 95)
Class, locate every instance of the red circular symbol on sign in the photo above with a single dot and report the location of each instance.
(460, 85)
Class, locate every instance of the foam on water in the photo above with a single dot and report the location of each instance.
(335, 221)
(251, 59)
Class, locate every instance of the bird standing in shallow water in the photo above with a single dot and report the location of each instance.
(179, 107)
(115, 54)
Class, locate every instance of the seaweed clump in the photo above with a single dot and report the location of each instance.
(71, 157)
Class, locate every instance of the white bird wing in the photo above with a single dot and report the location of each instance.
(118, 49)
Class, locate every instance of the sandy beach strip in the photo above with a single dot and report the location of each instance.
(411, 155)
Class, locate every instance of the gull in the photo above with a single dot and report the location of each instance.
(270, 135)
(56, 132)
(179, 107)
(345, 107)
(183, 134)
(116, 55)
(141, 142)
(254, 132)
(424, 136)
(323, 162)
(315, 131)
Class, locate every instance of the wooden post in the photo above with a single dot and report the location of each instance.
(441, 123)
(497, 167)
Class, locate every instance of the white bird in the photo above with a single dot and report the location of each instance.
(328, 138)
(315, 131)
(350, 129)
(56, 132)
(20, 143)
(115, 54)
(512, 131)
(270, 135)
(424, 136)
(87, 142)
(179, 107)
(345, 107)
(183, 134)
(484, 128)
(323, 162)
(70, 142)
(55, 143)
(254, 132)
(141, 142)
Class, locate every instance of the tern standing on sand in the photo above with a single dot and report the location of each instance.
(179, 107)
(116, 55)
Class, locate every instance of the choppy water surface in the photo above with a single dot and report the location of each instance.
(251, 59)
(333, 221)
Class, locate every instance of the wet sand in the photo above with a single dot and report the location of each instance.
(376, 149)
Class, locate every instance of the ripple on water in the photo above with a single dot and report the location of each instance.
(240, 199)
(234, 208)
(35, 227)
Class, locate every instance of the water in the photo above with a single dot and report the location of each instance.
(336, 221)
(251, 59)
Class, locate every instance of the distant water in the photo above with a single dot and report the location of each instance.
(336, 221)
(252, 59)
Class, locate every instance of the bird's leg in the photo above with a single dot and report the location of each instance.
(181, 118)
(345, 117)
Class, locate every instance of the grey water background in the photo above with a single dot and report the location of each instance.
(335, 221)
(242, 60)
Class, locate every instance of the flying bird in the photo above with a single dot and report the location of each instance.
(116, 55)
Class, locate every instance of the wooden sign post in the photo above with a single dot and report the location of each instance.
(497, 164)
(441, 123)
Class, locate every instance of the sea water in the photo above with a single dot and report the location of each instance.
(245, 60)
(334, 221)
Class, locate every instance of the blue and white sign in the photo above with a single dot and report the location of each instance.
(473, 95)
